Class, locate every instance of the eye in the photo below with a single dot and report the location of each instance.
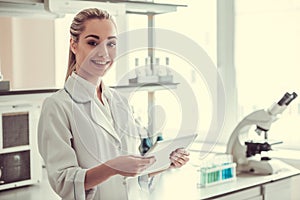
(112, 44)
(92, 43)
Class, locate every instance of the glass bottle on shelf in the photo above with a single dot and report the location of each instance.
(156, 67)
(168, 69)
(140, 72)
(148, 66)
(161, 70)
(165, 73)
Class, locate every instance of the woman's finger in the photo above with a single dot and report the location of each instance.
(179, 161)
(182, 151)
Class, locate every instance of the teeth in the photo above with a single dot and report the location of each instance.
(98, 62)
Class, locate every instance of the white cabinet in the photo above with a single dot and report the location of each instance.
(20, 162)
(282, 189)
(287, 188)
(295, 192)
(247, 194)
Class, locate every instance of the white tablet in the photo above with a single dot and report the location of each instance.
(161, 150)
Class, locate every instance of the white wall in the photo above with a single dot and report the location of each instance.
(27, 52)
(5, 44)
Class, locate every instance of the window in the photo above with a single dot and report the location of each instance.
(267, 62)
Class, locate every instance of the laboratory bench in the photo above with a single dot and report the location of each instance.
(184, 184)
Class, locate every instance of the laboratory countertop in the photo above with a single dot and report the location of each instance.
(184, 183)
(28, 95)
(29, 91)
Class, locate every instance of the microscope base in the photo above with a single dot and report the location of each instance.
(261, 167)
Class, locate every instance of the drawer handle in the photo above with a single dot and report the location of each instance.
(22, 106)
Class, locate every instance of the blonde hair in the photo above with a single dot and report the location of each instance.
(77, 27)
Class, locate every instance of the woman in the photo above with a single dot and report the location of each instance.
(87, 135)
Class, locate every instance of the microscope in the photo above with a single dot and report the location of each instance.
(244, 151)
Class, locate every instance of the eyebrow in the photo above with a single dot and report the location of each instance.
(97, 37)
(112, 37)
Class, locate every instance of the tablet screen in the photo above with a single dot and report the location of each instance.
(161, 150)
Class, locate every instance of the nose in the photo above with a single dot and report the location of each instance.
(102, 50)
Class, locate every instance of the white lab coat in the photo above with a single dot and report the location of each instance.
(74, 135)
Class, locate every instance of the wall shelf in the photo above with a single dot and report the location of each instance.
(140, 7)
(149, 87)
(132, 7)
(53, 7)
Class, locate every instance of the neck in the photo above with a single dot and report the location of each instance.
(96, 80)
(99, 93)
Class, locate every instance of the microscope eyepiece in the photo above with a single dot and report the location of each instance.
(287, 99)
(293, 96)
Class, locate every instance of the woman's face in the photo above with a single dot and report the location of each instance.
(96, 48)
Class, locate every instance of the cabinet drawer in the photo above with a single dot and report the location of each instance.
(248, 194)
(277, 190)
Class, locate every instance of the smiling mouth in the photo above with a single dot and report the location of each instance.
(98, 62)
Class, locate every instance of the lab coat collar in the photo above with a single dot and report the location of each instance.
(81, 91)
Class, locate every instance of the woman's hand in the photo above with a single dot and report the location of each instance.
(130, 165)
(178, 158)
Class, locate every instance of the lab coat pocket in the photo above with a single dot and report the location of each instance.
(135, 191)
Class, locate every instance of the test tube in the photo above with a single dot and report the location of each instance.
(203, 177)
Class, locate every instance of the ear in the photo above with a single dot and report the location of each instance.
(73, 45)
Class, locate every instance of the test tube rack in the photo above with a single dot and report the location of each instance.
(217, 174)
